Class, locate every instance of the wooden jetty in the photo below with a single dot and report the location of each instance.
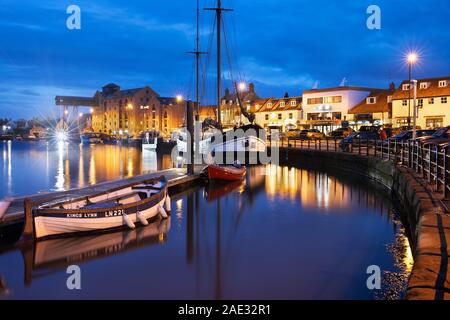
(176, 177)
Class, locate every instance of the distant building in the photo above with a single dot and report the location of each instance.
(133, 111)
(375, 109)
(433, 103)
(230, 110)
(327, 109)
(280, 114)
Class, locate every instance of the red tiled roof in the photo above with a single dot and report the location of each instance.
(433, 89)
(381, 104)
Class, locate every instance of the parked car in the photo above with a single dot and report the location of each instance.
(313, 134)
(341, 133)
(356, 138)
(440, 136)
(407, 135)
(369, 128)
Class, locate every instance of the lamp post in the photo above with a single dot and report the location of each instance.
(412, 59)
(414, 83)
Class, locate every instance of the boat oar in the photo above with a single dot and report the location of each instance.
(128, 221)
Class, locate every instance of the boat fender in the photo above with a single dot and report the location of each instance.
(128, 221)
(162, 212)
(142, 218)
(167, 204)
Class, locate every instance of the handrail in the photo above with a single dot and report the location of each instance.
(429, 160)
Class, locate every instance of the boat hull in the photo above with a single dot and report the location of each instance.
(46, 226)
(108, 210)
(225, 173)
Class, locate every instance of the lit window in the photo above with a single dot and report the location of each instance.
(424, 85)
(269, 104)
(282, 104)
(444, 100)
(371, 100)
(442, 83)
(404, 103)
(406, 87)
(420, 103)
(431, 101)
(293, 103)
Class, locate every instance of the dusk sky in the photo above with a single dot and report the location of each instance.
(281, 46)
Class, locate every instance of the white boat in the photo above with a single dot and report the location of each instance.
(150, 140)
(106, 210)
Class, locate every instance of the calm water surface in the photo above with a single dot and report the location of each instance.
(284, 233)
(32, 167)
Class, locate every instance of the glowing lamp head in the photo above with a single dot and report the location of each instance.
(66, 112)
(91, 110)
(412, 57)
(242, 86)
(80, 114)
(179, 98)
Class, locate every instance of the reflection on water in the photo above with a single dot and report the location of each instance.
(31, 167)
(284, 233)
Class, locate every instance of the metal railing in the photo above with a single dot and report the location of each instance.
(431, 162)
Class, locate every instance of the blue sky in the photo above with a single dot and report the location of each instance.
(279, 45)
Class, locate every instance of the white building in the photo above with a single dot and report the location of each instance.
(280, 114)
(327, 109)
(433, 103)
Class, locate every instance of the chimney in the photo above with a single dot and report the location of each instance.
(392, 86)
(286, 95)
(251, 88)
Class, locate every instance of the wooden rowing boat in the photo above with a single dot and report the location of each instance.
(107, 210)
(227, 173)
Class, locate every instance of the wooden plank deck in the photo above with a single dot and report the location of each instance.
(175, 177)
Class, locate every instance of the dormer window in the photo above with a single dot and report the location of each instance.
(371, 100)
(293, 103)
(282, 104)
(269, 104)
(424, 85)
(406, 87)
(442, 83)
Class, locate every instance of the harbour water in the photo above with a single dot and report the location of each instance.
(283, 233)
(34, 167)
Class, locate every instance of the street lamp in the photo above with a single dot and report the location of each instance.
(242, 86)
(179, 98)
(412, 58)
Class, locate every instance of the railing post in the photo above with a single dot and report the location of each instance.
(389, 149)
(376, 147)
(445, 174)
(359, 146)
(437, 170)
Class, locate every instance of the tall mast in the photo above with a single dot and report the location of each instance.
(197, 53)
(218, 11)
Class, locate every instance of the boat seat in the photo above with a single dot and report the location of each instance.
(122, 199)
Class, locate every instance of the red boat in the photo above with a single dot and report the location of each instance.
(227, 173)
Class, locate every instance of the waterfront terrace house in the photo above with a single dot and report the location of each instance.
(280, 114)
(133, 111)
(375, 109)
(230, 111)
(433, 103)
(328, 109)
